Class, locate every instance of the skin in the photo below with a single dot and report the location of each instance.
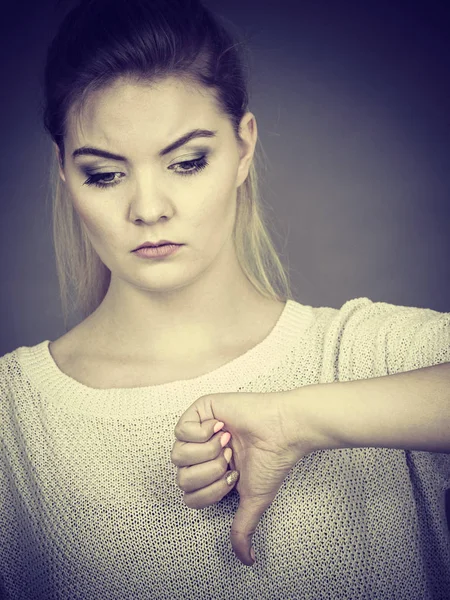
(198, 299)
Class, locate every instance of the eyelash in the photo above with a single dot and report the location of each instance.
(199, 164)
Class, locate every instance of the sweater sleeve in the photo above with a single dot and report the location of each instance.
(377, 338)
(374, 339)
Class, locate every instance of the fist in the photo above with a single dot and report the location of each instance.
(263, 440)
(203, 470)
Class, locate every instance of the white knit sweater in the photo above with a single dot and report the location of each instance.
(90, 508)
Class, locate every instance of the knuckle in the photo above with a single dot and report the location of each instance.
(174, 459)
(187, 501)
(190, 502)
(182, 484)
(177, 431)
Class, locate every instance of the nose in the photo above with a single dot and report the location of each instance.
(148, 203)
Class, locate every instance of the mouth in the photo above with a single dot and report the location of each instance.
(160, 251)
(156, 245)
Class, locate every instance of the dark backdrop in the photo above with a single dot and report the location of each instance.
(352, 103)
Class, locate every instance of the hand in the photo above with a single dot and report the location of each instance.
(263, 441)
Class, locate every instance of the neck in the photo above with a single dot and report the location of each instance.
(170, 326)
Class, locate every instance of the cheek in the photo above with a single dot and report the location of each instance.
(226, 206)
(214, 216)
(98, 225)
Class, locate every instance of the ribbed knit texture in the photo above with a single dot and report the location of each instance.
(90, 508)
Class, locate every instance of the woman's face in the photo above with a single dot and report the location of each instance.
(144, 196)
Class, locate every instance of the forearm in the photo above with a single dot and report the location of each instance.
(409, 410)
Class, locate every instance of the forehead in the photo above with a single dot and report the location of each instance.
(128, 108)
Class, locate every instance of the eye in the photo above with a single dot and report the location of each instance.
(198, 164)
(97, 180)
(193, 166)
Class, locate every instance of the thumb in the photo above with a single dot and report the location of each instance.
(244, 525)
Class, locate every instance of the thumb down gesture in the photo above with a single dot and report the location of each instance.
(263, 433)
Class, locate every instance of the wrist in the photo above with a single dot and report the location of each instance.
(311, 429)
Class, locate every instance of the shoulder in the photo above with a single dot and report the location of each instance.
(75, 343)
(391, 338)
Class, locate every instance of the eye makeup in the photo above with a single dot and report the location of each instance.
(103, 180)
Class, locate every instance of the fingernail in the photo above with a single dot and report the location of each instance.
(225, 439)
(232, 477)
(218, 426)
(227, 454)
(252, 554)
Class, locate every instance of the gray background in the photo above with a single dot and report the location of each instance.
(351, 101)
(352, 104)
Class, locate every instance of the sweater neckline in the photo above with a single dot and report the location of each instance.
(63, 390)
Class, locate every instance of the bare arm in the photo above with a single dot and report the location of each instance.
(409, 410)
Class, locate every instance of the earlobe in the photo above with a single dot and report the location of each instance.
(243, 170)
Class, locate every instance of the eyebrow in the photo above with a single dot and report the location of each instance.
(184, 139)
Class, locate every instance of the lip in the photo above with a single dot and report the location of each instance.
(158, 252)
(155, 244)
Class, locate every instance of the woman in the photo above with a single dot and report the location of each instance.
(146, 105)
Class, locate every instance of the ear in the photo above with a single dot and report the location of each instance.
(249, 134)
(58, 156)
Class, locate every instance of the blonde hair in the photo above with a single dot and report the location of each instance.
(84, 278)
(148, 40)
